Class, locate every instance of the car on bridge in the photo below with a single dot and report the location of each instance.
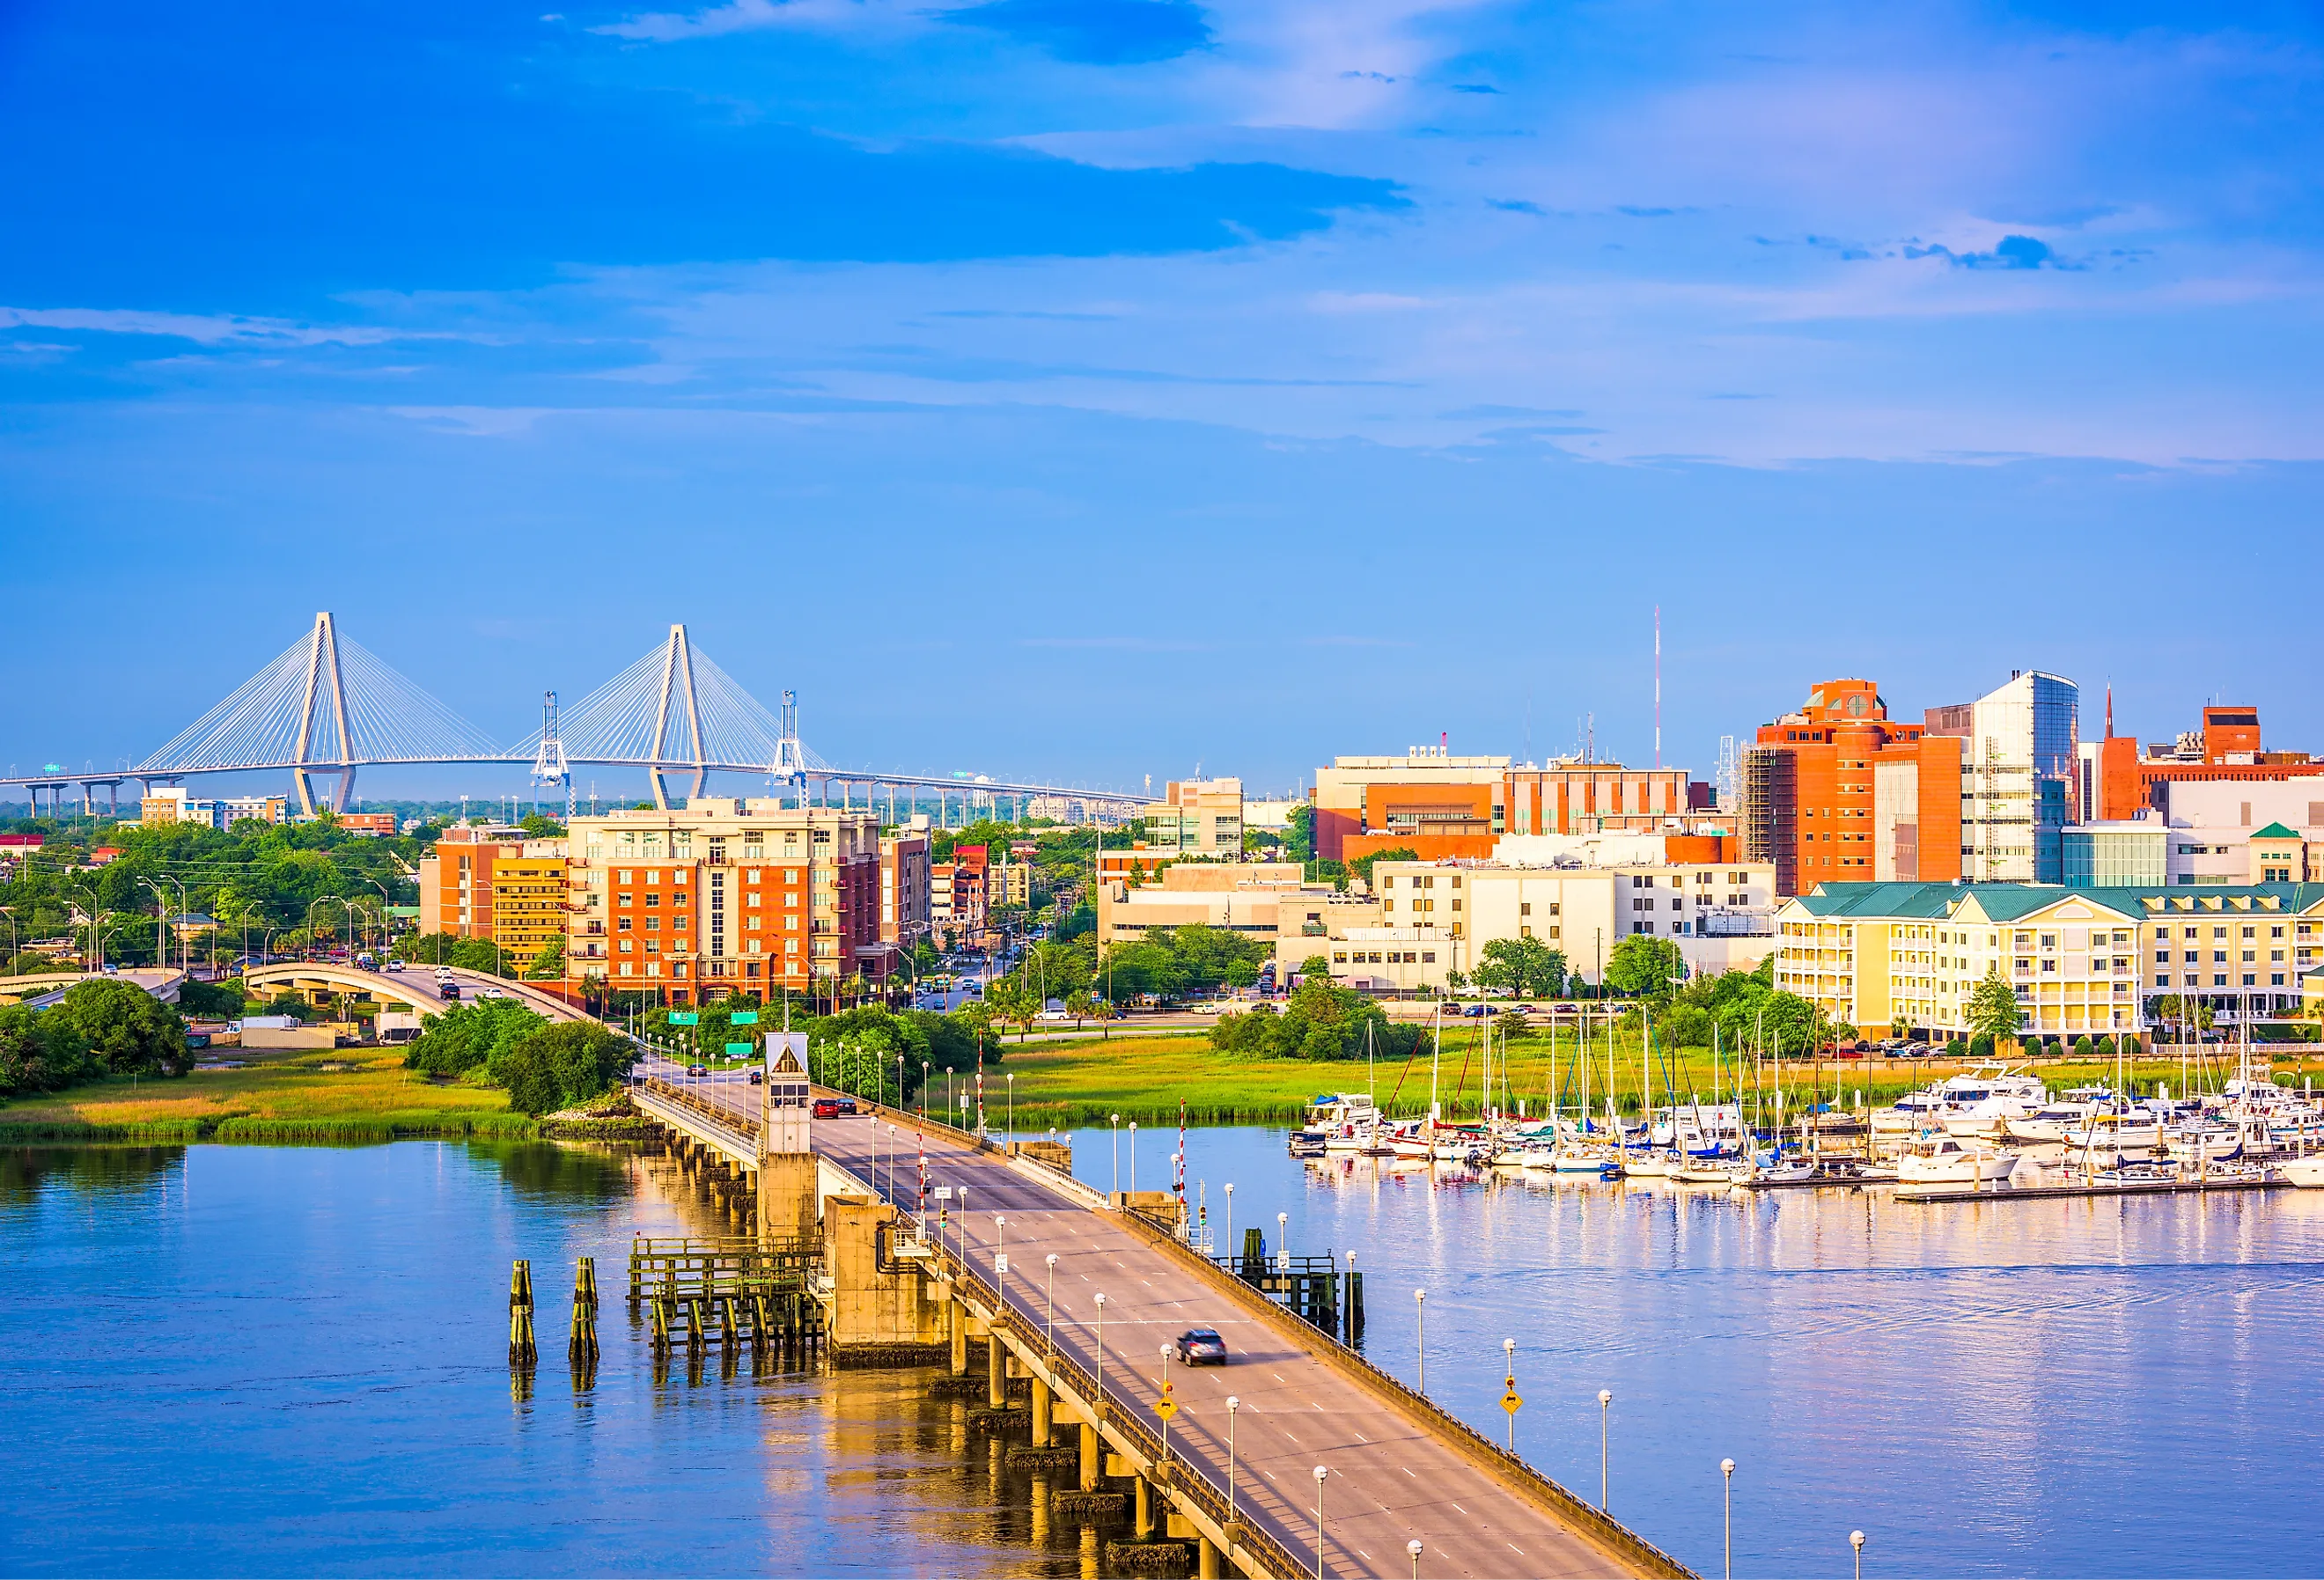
(698, 1069)
(825, 1108)
(1198, 1344)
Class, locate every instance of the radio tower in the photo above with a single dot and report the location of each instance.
(549, 763)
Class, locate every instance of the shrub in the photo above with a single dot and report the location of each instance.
(1981, 1045)
(2084, 1048)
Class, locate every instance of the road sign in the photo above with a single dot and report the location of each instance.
(685, 1017)
(1165, 1407)
(743, 1018)
(738, 1050)
(1001, 1265)
(1511, 1402)
(944, 1193)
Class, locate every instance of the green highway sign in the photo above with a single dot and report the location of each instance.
(738, 1050)
(684, 1018)
(744, 1017)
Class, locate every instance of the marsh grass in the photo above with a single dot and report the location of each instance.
(273, 1101)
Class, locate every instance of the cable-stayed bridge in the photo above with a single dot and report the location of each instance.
(327, 708)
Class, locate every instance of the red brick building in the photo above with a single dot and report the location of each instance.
(1839, 792)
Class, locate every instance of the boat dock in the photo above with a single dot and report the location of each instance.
(2053, 1192)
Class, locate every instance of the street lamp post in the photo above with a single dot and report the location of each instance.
(1605, 1398)
(1282, 1239)
(1100, 1366)
(1420, 1332)
(1855, 1540)
(1231, 1245)
(1012, 1111)
(924, 1091)
(999, 1255)
(1413, 1547)
(1133, 1157)
(1165, 1415)
(1320, 1476)
(1052, 1340)
(1115, 1120)
(1233, 1404)
(1509, 1385)
(1726, 1512)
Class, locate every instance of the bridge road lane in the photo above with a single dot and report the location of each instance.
(1391, 1481)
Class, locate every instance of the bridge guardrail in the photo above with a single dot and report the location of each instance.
(1481, 1450)
(1185, 1478)
(1647, 1558)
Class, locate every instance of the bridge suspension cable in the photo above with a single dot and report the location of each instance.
(326, 703)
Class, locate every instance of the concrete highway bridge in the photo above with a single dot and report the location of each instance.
(43, 989)
(411, 990)
(1405, 1487)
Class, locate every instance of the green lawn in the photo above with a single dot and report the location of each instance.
(367, 1095)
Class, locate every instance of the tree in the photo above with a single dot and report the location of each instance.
(127, 1029)
(468, 1037)
(557, 1067)
(549, 965)
(1993, 1006)
(2171, 1010)
(1299, 834)
(1080, 1005)
(41, 1053)
(1524, 966)
(1363, 865)
(1646, 967)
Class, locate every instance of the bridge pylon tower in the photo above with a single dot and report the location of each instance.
(322, 720)
(549, 765)
(677, 717)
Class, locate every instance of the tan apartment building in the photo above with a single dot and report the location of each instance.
(1196, 816)
(1240, 897)
(459, 878)
(725, 897)
(1433, 917)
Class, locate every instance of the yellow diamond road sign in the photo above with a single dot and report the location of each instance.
(1168, 1407)
(1511, 1401)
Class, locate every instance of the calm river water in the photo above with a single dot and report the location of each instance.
(290, 1360)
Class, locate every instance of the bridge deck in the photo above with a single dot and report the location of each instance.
(1395, 1473)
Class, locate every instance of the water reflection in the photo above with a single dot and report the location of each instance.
(262, 1359)
(1987, 1387)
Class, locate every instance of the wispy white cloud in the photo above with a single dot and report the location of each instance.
(212, 329)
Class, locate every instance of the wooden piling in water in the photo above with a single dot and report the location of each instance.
(581, 1346)
(521, 1349)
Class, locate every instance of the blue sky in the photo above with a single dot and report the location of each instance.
(1097, 388)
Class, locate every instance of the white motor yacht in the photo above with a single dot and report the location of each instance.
(2307, 1171)
(1982, 1102)
(1951, 1159)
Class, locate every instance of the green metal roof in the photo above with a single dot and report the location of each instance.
(2009, 902)
(2275, 831)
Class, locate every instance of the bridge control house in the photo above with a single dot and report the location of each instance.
(728, 896)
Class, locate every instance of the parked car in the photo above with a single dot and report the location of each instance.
(1200, 1344)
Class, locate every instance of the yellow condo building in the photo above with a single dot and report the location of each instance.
(2097, 961)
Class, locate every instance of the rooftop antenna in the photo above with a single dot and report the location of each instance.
(1658, 685)
(549, 763)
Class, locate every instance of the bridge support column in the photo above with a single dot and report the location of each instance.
(996, 1371)
(1089, 1457)
(957, 1330)
(1043, 1419)
(1142, 1526)
(1206, 1559)
(787, 1196)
